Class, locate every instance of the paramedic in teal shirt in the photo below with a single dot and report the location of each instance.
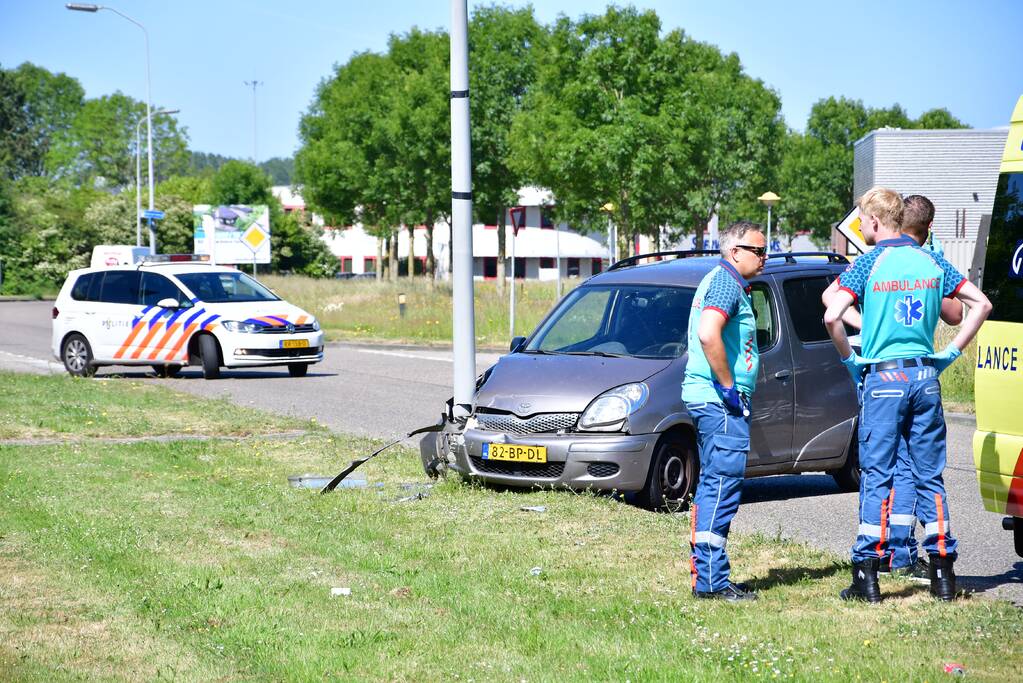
(899, 287)
(721, 373)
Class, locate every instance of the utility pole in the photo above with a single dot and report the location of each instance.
(255, 136)
(463, 316)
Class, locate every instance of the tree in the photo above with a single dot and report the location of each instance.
(346, 151)
(418, 124)
(938, 119)
(504, 49)
(665, 130)
(240, 182)
(52, 101)
(813, 180)
(816, 176)
(101, 144)
(280, 170)
(17, 151)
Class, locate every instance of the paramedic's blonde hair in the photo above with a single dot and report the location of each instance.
(885, 204)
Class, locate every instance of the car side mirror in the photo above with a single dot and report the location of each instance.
(516, 344)
(168, 303)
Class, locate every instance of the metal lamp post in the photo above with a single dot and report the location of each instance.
(80, 7)
(769, 199)
(138, 174)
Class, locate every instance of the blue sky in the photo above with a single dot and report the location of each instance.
(963, 56)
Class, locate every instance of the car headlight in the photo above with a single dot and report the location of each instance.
(316, 325)
(238, 326)
(612, 407)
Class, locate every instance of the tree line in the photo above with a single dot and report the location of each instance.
(67, 183)
(621, 120)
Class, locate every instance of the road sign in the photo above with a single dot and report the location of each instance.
(850, 227)
(155, 214)
(254, 237)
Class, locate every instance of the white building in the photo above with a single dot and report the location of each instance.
(539, 245)
(955, 169)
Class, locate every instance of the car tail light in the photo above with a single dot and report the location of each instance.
(55, 312)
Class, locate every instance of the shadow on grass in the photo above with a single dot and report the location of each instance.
(982, 584)
(787, 576)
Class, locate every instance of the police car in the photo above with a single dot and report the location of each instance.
(174, 310)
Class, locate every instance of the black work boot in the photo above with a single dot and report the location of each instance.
(864, 582)
(943, 578)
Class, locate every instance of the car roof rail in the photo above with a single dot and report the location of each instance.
(633, 260)
(790, 256)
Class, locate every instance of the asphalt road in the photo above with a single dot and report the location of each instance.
(387, 391)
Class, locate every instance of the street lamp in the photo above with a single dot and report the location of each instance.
(770, 199)
(80, 7)
(138, 175)
(612, 233)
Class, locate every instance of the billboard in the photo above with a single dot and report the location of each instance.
(234, 234)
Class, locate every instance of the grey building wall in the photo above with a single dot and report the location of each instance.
(955, 169)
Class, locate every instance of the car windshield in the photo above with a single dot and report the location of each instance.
(220, 288)
(642, 321)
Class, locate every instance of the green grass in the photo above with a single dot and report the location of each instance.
(196, 561)
(367, 310)
(49, 407)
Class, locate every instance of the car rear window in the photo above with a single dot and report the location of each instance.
(120, 287)
(87, 287)
(803, 296)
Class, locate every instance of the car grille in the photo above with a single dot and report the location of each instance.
(282, 329)
(547, 470)
(602, 469)
(535, 424)
(283, 353)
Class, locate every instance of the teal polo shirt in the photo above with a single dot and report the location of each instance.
(899, 287)
(726, 292)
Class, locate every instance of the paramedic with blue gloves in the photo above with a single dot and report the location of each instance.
(900, 287)
(902, 557)
(721, 374)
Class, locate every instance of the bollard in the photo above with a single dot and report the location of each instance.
(401, 305)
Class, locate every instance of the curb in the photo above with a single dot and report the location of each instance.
(962, 419)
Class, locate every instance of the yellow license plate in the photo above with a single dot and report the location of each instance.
(295, 344)
(515, 452)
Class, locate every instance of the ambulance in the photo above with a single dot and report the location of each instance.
(998, 380)
(169, 311)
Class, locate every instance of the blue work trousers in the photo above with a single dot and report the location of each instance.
(902, 546)
(902, 405)
(724, 445)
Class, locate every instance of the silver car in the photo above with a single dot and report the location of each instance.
(592, 399)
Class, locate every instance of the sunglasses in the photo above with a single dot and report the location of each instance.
(759, 252)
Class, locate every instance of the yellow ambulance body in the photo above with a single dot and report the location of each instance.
(998, 382)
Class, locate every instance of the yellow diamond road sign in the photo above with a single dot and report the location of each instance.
(254, 237)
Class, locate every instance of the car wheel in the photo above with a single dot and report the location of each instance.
(848, 475)
(169, 370)
(77, 356)
(209, 354)
(1017, 534)
(674, 471)
(298, 369)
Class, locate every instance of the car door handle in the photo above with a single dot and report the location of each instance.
(783, 374)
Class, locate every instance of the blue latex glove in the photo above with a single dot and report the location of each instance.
(855, 365)
(935, 245)
(730, 396)
(945, 358)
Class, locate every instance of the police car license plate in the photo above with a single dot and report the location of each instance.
(294, 343)
(514, 452)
